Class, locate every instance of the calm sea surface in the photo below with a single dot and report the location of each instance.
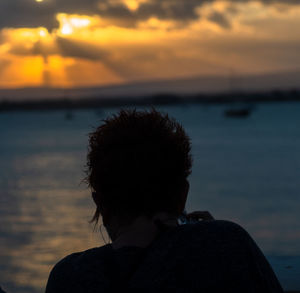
(245, 170)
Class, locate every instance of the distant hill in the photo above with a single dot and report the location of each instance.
(282, 81)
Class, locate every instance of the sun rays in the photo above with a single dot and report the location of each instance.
(84, 50)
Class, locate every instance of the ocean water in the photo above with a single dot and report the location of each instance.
(245, 170)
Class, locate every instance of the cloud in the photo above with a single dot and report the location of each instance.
(29, 13)
(175, 10)
(20, 13)
(131, 40)
(220, 19)
(169, 9)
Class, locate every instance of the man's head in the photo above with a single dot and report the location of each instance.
(138, 164)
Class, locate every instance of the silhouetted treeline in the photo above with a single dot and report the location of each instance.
(154, 100)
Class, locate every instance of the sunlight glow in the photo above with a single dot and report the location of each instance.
(98, 49)
(25, 36)
(80, 22)
(43, 33)
(70, 23)
(66, 29)
(133, 4)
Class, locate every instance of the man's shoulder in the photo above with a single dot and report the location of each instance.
(228, 227)
(220, 226)
(79, 260)
(77, 268)
(214, 233)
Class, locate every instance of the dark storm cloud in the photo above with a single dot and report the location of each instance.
(29, 13)
(20, 13)
(176, 10)
(169, 9)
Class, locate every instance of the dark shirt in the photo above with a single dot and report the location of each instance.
(210, 256)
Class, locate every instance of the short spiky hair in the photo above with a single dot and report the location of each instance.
(137, 163)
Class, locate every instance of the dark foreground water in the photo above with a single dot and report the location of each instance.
(245, 170)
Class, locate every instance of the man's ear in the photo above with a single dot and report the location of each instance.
(183, 196)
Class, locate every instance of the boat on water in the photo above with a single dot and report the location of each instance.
(238, 113)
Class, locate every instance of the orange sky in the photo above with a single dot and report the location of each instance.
(85, 49)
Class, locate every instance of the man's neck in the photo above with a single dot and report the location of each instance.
(142, 231)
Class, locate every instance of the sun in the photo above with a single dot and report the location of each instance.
(43, 33)
(39, 0)
(70, 24)
(66, 29)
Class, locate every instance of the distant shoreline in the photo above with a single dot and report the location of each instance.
(150, 100)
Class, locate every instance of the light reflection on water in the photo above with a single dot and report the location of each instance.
(246, 171)
(44, 209)
(45, 224)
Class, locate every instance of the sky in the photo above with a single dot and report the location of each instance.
(75, 43)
